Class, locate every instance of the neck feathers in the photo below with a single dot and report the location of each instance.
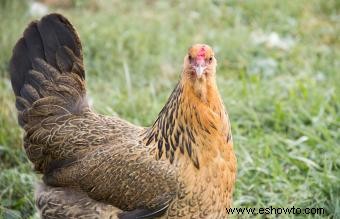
(192, 119)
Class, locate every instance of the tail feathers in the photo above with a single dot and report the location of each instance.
(47, 71)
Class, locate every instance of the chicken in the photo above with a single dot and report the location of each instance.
(96, 166)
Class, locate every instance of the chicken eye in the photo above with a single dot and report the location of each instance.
(210, 59)
(190, 58)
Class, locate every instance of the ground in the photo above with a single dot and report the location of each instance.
(278, 73)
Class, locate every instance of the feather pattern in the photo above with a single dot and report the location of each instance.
(95, 166)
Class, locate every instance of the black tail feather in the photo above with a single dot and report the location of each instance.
(49, 51)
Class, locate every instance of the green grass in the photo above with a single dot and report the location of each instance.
(284, 104)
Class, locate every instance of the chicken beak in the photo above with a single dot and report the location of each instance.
(200, 67)
(199, 70)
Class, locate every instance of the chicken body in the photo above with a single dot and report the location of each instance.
(94, 166)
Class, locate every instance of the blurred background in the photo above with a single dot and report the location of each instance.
(278, 73)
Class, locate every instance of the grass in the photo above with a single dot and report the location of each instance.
(283, 103)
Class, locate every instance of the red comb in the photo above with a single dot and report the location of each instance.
(201, 53)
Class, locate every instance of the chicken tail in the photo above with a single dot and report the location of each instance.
(46, 71)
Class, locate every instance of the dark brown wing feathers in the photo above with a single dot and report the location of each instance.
(71, 145)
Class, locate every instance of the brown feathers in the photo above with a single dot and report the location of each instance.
(47, 64)
(94, 166)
